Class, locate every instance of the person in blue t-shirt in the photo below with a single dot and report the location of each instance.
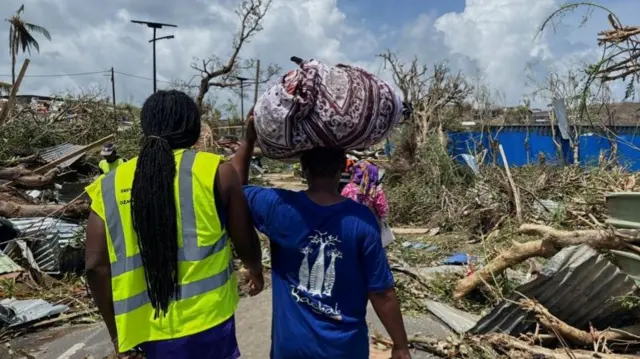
(327, 262)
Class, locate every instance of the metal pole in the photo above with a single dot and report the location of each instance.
(113, 93)
(155, 26)
(257, 85)
(242, 105)
(242, 99)
(154, 60)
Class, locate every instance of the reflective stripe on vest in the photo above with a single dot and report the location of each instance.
(189, 252)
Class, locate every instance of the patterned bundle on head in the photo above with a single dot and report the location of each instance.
(325, 106)
(365, 175)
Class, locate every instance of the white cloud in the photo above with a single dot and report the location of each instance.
(494, 36)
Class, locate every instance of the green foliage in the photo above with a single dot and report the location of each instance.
(416, 192)
(128, 141)
(82, 119)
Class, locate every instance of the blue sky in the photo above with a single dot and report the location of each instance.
(396, 13)
(491, 41)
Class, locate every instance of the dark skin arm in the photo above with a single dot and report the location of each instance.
(387, 307)
(240, 224)
(242, 158)
(99, 272)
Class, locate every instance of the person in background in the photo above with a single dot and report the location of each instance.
(345, 176)
(366, 188)
(111, 159)
(327, 262)
(158, 248)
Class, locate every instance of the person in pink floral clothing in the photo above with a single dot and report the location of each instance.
(365, 188)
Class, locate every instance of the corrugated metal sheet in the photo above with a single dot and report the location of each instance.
(457, 320)
(623, 209)
(26, 311)
(7, 265)
(46, 238)
(51, 154)
(576, 285)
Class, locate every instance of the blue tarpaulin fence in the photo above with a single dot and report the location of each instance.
(524, 145)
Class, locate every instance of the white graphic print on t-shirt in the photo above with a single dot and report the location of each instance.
(318, 282)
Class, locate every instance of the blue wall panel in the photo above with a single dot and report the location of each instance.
(523, 145)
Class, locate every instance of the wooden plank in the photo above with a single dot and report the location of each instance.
(86, 148)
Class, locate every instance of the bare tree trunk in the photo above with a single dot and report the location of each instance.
(202, 92)
(11, 173)
(15, 210)
(37, 180)
(27, 178)
(13, 67)
(553, 241)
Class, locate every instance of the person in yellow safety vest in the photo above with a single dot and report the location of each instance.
(158, 248)
(111, 159)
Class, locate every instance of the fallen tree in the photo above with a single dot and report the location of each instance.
(27, 178)
(594, 338)
(79, 209)
(11, 173)
(515, 348)
(492, 346)
(553, 241)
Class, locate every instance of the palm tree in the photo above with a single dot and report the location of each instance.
(21, 38)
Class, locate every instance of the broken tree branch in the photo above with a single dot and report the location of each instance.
(251, 14)
(79, 209)
(575, 335)
(512, 346)
(32, 181)
(20, 160)
(553, 241)
(514, 189)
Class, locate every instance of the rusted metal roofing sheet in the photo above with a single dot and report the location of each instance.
(51, 154)
(577, 285)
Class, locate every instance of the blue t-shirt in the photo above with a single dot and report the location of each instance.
(325, 261)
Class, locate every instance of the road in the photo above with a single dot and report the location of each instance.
(253, 330)
(253, 321)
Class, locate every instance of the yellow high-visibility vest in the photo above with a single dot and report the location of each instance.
(208, 286)
(107, 167)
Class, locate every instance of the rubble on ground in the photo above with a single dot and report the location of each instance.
(548, 270)
(558, 281)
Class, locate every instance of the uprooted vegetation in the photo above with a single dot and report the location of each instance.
(477, 214)
(82, 119)
(513, 221)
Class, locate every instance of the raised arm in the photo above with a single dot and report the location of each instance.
(242, 158)
(240, 225)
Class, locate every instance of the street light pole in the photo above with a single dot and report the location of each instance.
(155, 26)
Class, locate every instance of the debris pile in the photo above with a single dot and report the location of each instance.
(43, 208)
(530, 262)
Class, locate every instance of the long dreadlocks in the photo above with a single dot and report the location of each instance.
(170, 120)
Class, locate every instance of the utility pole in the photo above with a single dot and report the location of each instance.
(242, 80)
(255, 92)
(113, 94)
(155, 26)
